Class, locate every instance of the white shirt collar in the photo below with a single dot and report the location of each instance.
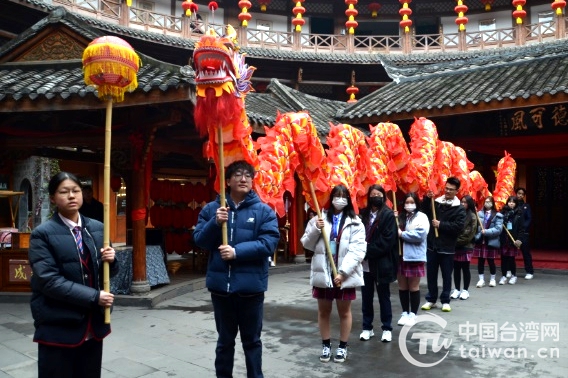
(69, 223)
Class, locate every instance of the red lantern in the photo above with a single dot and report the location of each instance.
(111, 64)
(558, 6)
(263, 5)
(213, 6)
(116, 183)
(298, 11)
(519, 14)
(352, 91)
(244, 16)
(351, 12)
(461, 20)
(189, 6)
(405, 12)
(488, 4)
(374, 8)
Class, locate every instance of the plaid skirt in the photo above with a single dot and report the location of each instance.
(464, 256)
(349, 294)
(482, 250)
(510, 251)
(411, 268)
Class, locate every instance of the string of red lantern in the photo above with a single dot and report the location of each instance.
(461, 20)
(374, 8)
(351, 12)
(405, 12)
(189, 7)
(244, 16)
(487, 4)
(519, 14)
(352, 91)
(298, 11)
(558, 6)
(263, 5)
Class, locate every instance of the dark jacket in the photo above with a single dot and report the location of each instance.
(64, 301)
(465, 239)
(252, 231)
(452, 220)
(527, 218)
(382, 246)
(514, 223)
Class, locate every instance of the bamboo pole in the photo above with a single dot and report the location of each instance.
(434, 216)
(106, 201)
(222, 181)
(397, 223)
(511, 236)
(323, 233)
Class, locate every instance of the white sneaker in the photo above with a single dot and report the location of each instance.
(464, 295)
(503, 280)
(411, 319)
(480, 283)
(509, 274)
(513, 280)
(366, 334)
(492, 283)
(428, 305)
(446, 307)
(403, 319)
(455, 294)
(529, 276)
(386, 337)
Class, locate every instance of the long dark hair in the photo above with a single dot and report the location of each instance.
(402, 214)
(470, 203)
(349, 210)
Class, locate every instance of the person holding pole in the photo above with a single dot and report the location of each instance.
(513, 224)
(379, 266)
(464, 250)
(447, 218)
(345, 236)
(525, 246)
(237, 271)
(487, 242)
(66, 255)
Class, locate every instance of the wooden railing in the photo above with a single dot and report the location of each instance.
(116, 11)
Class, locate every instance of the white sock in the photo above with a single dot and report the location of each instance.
(481, 277)
(493, 277)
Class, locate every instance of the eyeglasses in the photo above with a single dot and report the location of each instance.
(450, 189)
(66, 193)
(239, 175)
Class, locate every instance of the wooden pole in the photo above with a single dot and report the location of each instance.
(106, 201)
(511, 236)
(323, 233)
(397, 223)
(222, 181)
(434, 216)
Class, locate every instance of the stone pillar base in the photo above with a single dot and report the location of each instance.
(140, 288)
(299, 259)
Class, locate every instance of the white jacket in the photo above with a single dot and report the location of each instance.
(414, 237)
(351, 252)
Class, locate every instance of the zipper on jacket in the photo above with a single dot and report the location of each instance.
(230, 239)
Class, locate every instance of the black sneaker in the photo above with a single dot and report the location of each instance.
(325, 353)
(340, 355)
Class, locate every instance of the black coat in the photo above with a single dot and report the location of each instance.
(517, 231)
(382, 246)
(452, 221)
(64, 300)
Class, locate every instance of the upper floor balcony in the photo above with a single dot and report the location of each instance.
(116, 11)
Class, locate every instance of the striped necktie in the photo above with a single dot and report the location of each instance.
(79, 240)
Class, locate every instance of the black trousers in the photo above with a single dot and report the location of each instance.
(83, 361)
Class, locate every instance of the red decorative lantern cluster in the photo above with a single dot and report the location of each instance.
(351, 12)
(213, 6)
(189, 7)
(352, 91)
(244, 16)
(374, 8)
(405, 12)
(263, 5)
(111, 64)
(487, 4)
(298, 11)
(519, 13)
(461, 20)
(558, 6)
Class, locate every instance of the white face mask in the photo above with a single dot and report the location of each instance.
(339, 203)
(488, 205)
(410, 207)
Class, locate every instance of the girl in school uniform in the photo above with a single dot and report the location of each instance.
(487, 242)
(510, 239)
(464, 250)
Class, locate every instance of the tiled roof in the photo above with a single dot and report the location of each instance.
(520, 72)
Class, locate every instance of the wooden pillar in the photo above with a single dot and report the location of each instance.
(140, 285)
(560, 26)
(185, 27)
(462, 44)
(124, 19)
(350, 43)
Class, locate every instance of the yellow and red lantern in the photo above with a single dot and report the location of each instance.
(352, 91)
(487, 4)
(189, 7)
(298, 11)
(558, 6)
(351, 12)
(374, 9)
(461, 20)
(244, 16)
(519, 13)
(405, 12)
(263, 5)
(111, 64)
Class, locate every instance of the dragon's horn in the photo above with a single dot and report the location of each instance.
(231, 33)
(212, 32)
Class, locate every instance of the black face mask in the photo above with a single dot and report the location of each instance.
(376, 201)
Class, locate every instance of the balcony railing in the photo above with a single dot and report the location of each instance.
(112, 11)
